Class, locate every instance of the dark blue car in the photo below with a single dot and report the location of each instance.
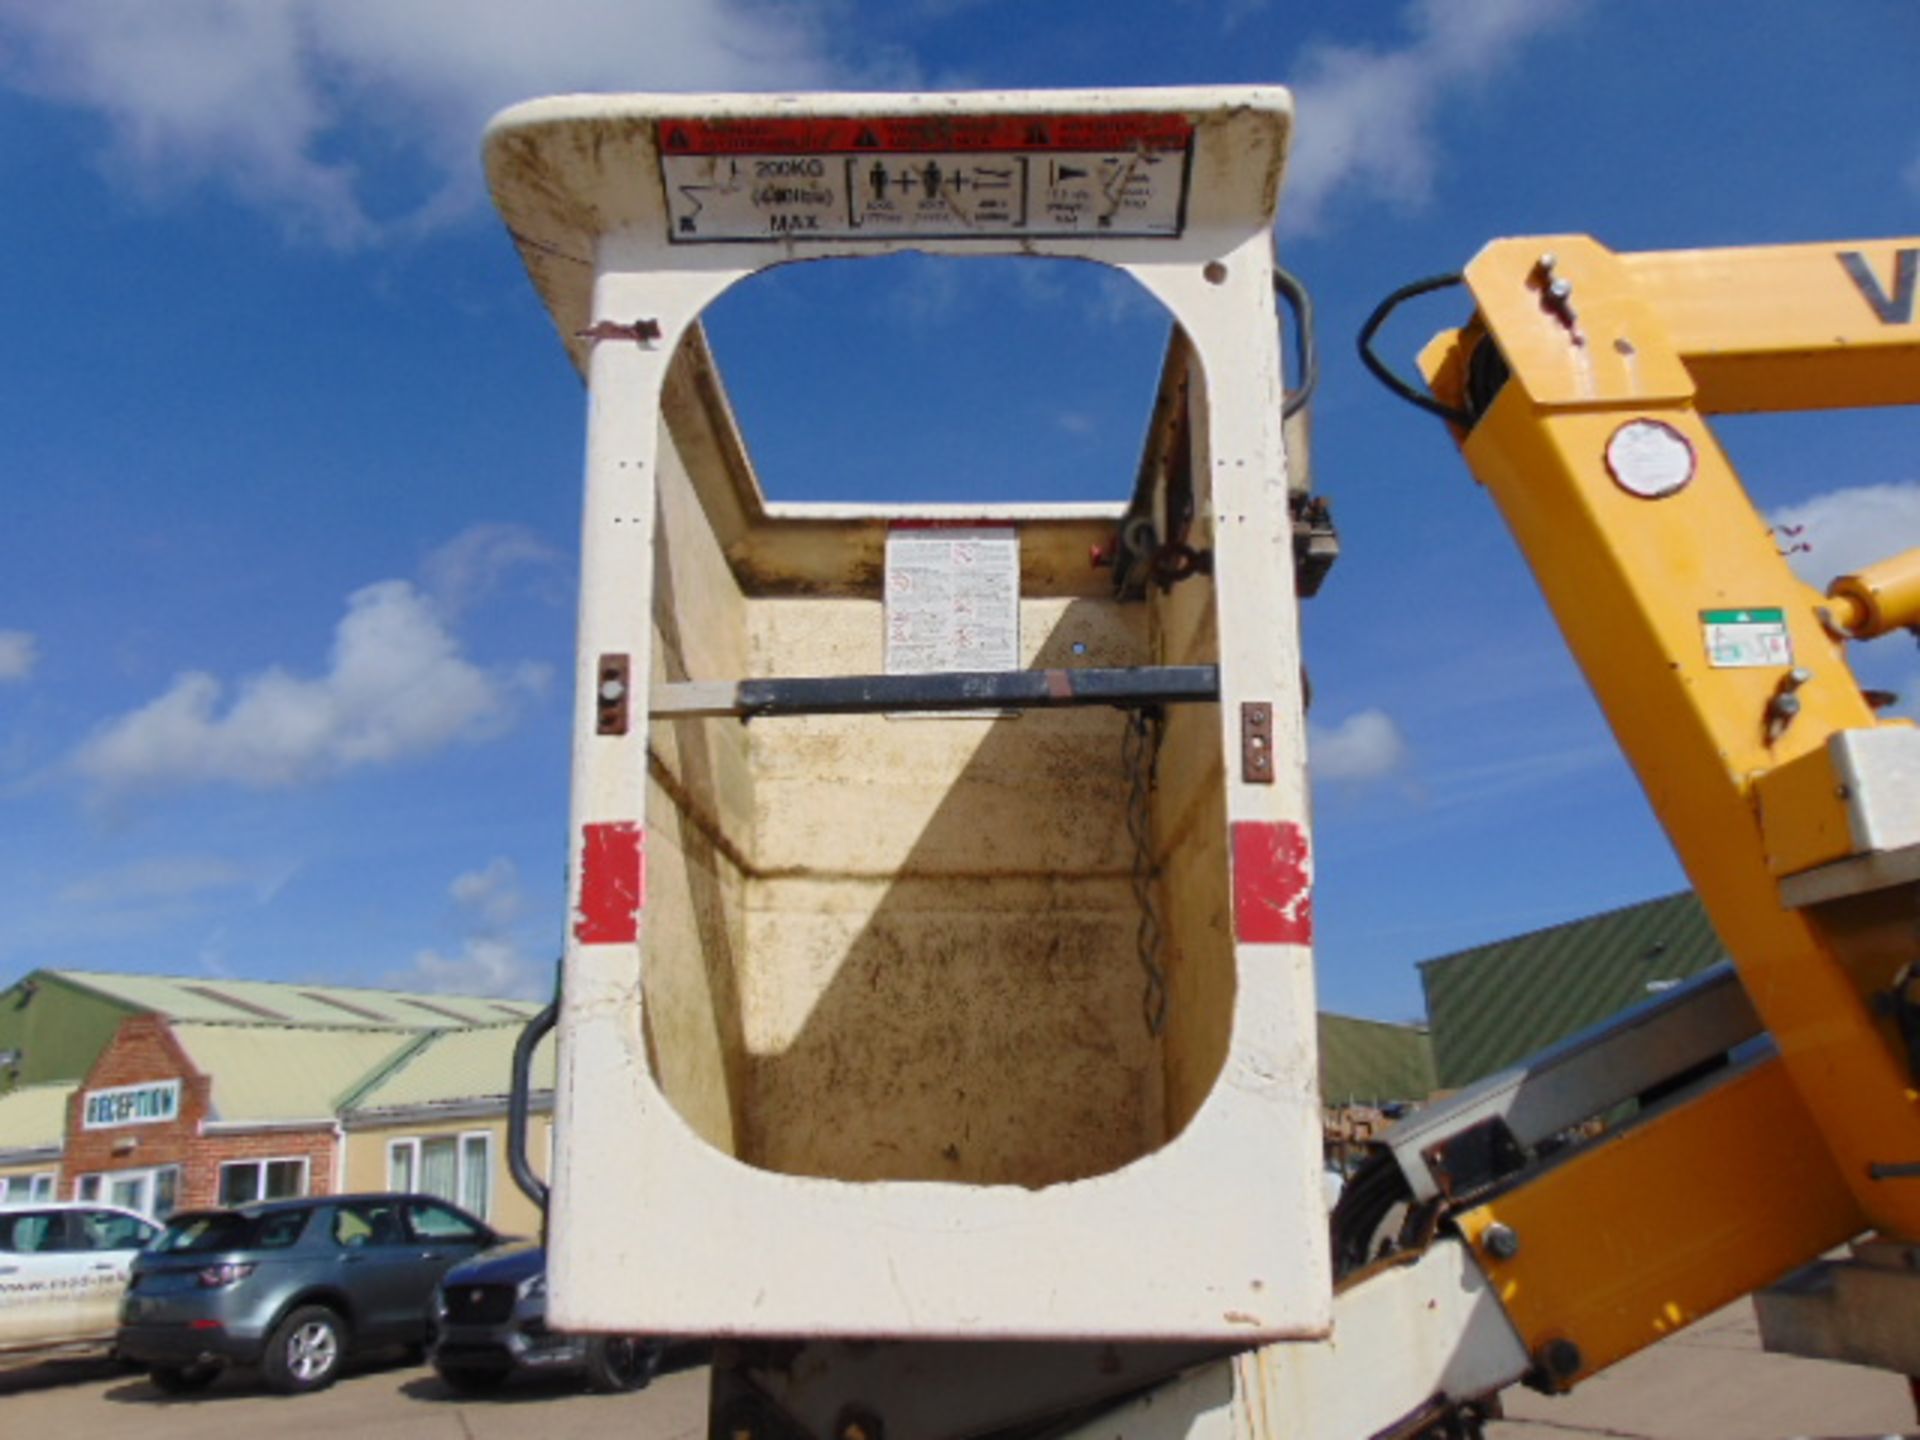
(292, 1286)
(490, 1323)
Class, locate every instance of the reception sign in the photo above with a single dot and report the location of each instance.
(146, 1104)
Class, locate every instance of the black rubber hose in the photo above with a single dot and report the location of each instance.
(518, 1099)
(1384, 372)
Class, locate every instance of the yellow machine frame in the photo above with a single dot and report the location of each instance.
(1582, 384)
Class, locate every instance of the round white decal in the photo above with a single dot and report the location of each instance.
(1650, 459)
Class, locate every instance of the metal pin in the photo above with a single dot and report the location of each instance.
(1556, 294)
(1785, 705)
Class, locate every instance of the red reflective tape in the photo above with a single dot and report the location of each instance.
(613, 883)
(822, 135)
(1272, 883)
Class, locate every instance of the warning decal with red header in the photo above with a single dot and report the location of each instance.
(821, 136)
(925, 177)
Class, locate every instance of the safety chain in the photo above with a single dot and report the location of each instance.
(1140, 758)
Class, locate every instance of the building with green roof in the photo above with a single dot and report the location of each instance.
(447, 1071)
(1373, 1063)
(54, 1023)
(435, 1113)
(158, 1091)
(1492, 1005)
(162, 1092)
(283, 1074)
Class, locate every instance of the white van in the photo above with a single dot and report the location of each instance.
(63, 1267)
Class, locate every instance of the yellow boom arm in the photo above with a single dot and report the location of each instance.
(1582, 384)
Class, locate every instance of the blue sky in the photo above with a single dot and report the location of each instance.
(290, 455)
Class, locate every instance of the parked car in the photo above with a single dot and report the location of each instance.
(292, 1286)
(490, 1323)
(63, 1268)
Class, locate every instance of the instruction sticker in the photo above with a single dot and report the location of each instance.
(1746, 639)
(953, 178)
(953, 599)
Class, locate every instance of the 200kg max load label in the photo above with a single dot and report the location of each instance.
(1118, 176)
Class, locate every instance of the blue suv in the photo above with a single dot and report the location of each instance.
(292, 1286)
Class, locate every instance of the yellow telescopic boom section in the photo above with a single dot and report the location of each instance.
(1582, 384)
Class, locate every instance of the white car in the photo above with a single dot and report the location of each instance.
(63, 1268)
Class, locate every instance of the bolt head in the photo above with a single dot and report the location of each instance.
(1500, 1241)
(1560, 1358)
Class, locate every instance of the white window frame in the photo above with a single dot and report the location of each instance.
(102, 1185)
(35, 1187)
(259, 1167)
(411, 1145)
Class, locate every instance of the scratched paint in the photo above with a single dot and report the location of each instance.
(613, 883)
(1272, 883)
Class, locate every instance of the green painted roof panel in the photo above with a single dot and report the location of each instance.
(452, 1066)
(1370, 1062)
(1492, 1005)
(281, 1072)
(286, 1003)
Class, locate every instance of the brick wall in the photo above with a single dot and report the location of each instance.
(142, 1051)
(201, 1181)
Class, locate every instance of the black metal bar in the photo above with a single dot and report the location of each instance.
(979, 690)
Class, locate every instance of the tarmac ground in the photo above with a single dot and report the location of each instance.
(1712, 1380)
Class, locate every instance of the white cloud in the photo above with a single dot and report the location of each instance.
(484, 965)
(19, 653)
(475, 562)
(160, 877)
(490, 960)
(396, 686)
(146, 902)
(1363, 118)
(1364, 746)
(1516, 773)
(1844, 530)
(492, 893)
(262, 97)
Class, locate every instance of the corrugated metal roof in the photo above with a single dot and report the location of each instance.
(1370, 1061)
(451, 1066)
(285, 1072)
(1494, 1004)
(1360, 1061)
(34, 1117)
(286, 1003)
